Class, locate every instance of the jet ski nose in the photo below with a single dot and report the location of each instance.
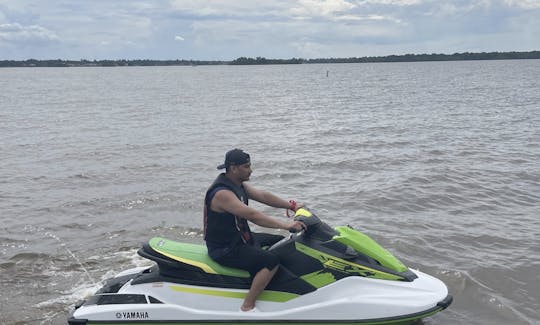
(446, 302)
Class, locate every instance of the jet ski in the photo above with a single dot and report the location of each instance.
(326, 276)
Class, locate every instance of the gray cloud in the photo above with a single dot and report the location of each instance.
(216, 29)
(18, 33)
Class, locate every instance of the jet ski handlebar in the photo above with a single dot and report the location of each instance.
(315, 227)
(306, 217)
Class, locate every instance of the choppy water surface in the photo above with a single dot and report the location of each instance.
(439, 162)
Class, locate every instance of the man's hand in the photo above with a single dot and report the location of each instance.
(296, 226)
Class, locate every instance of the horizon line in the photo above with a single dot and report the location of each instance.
(534, 54)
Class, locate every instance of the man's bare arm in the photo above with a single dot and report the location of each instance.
(225, 200)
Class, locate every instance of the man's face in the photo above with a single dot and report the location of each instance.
(243, 172)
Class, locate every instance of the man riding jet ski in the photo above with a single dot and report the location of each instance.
(228, 237)
(326, 275)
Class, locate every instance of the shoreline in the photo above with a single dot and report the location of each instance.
(467, 56)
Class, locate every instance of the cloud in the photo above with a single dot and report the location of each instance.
(220, 8)
(223, 30)
(525, 4)
(392, 2)
(15, 32)
(323, 8)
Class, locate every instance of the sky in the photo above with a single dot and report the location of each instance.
(277, 29)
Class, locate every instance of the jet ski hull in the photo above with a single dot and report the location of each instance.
(353, 300)
(138, 318)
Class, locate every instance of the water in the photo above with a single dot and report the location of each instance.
(436, 161)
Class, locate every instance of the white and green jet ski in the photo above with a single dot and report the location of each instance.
(327, 276)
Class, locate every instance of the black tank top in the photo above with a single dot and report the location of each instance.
(223, 230)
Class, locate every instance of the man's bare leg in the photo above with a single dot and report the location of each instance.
(260, 281)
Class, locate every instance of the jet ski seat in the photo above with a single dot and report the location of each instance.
(178, 255)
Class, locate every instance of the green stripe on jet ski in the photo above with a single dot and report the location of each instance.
(319, 279)
(335, 263)
(364, 244)
(266, 295)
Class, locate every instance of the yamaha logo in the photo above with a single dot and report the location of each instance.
(133, 315)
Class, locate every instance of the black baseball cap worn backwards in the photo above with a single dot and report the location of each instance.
(235, 157)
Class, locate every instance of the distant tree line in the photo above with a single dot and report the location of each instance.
(260, 60)
(263, 61)
(435, 57)
(105, 63)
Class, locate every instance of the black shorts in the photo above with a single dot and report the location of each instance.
(252, 258)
